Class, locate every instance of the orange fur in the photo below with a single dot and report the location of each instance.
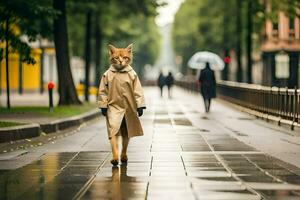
(120, 57)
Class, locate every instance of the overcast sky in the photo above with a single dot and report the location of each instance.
(167, 13)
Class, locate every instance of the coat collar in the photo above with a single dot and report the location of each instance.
(125, 69)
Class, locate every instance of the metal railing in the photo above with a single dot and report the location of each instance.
(280, 102)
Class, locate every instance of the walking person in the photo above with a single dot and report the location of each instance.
(121, 101)
(207, 82)
(169, 83)
(161, 82)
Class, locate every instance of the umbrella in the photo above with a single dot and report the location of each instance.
(199, 60)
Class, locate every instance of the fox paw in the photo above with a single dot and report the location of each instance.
(114, 162)
(124, 159)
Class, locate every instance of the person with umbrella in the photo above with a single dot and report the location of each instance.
(207, 62)
(207, 82)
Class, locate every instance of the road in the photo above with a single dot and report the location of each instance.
(184, 154)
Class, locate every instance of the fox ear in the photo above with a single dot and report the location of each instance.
(111, 49)
(129, 48)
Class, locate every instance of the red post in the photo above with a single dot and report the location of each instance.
(51, 85)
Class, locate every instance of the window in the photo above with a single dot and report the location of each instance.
(275, 26)
(282, 65)
(291, 23)
(275, 30)
(291, 28)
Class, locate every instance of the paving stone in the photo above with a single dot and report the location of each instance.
(173, 160)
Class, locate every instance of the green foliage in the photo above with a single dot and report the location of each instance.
(58, 112)
(5, 124)
(122, 23)
(132, 22)
(199, 26)
(31, 18)
(211, 25)
(139, 30)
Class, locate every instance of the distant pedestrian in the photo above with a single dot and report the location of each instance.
(161, 82)
(169, 83)
(207, 82)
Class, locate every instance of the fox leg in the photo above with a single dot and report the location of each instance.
(125, 141)
(114, 148)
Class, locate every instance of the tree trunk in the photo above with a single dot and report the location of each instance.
(7, 62)
(66, 88)
(225, 41)
(98, 45)
(225, 70)
(42, 71)
(20, 75)
(249, 41)
(238, 41)
(87, 54)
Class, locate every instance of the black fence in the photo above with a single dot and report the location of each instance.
(280, 102)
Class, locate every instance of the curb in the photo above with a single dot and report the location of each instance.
(62, 124)
(19, 132)
(34, 130)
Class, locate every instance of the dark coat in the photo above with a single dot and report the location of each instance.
(161, 81)
(169, 80)
(208, 83)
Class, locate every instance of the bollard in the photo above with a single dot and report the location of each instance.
(50, 91)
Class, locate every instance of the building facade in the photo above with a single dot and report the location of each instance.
(34, 78)
(280, 51)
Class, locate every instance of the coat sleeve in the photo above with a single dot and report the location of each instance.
(103, 92)
(138, 93)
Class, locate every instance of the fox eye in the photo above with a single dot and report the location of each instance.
(127, 58)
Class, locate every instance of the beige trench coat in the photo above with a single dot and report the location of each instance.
(121, 93)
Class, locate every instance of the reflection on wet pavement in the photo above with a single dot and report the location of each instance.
(174, 160)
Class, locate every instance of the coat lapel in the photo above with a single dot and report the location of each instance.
(125, 69)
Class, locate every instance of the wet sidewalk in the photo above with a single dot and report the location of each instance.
(184, 154)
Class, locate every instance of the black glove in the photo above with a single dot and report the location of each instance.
(140, 111)
(104, 111)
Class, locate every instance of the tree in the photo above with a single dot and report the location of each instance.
(238, 40)
(249, 41)
(133, 23)
(238, 20)
(87, 51)
(67, 92)
(210, 28)
(85, 10)
(98, 44)
(19, 18)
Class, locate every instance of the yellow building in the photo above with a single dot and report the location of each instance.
(23, 76)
